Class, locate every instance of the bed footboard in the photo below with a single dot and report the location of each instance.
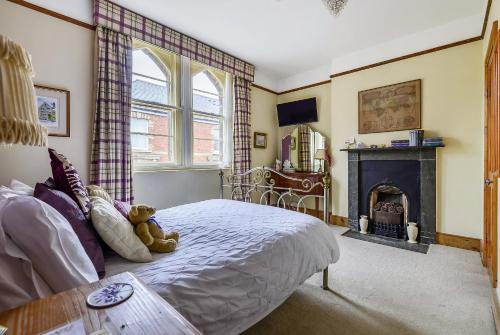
(258, 185)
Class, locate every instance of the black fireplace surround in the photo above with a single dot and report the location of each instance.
(412, 170)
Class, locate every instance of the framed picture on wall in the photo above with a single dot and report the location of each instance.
(259, 140)
(390, 108)
(53, 106)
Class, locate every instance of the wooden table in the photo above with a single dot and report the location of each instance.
(144, 313)
(314, 177)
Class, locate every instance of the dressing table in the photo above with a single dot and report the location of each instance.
(299, 147)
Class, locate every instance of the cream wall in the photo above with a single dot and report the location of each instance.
(62, 56)
(322, 94)
(451, 107)
(264, 120)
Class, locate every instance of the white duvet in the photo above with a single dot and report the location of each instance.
(235, 261)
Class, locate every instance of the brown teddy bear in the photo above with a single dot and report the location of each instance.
(149, 231)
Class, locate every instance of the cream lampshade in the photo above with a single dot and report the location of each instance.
(18, 112)
(321, 156)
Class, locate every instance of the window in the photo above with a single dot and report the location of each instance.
(154, 110)
(139, 128)
(208, 118)
(181, 111)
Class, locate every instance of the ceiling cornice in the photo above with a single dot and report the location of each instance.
(53, 14)
(335, 75)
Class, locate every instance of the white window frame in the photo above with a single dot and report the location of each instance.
(140, 133)
(226, 126)
(183, 129)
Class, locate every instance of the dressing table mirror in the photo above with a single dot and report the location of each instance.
(302, 155)
(300, 147)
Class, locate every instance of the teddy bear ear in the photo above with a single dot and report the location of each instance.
(133, 210)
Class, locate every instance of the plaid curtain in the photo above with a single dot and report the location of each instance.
(111, 165)
(305, 159)
(241, 129)
(113, 16)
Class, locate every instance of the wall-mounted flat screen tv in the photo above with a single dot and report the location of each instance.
(295, 112)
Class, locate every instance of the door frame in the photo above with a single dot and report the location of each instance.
(489, 248)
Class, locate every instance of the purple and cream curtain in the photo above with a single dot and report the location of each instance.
(241, 130)
(111, 148)
(110, 15)
(111, 165)
(241, 126)
(305, 159)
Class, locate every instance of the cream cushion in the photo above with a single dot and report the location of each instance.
(117, 232)
(98, 191)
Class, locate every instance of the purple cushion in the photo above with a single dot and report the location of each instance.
(122, 207)
(68, 180)
(61, 202)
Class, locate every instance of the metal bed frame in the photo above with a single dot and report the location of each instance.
(260, 181)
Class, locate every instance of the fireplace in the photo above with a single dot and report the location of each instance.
(393, 186)
(388, 211)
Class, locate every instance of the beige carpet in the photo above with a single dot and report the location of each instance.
(382, 290)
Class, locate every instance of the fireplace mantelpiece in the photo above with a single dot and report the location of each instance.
(426, 156)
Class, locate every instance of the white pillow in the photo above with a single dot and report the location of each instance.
(19, 282)
(48, 240)
(117, 232)
(6, 193)
(21, 188)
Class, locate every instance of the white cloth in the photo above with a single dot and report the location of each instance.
(6, 192)
(21, 188)
(235, 262)
(19, 282)
(118, 232)
(48, 241)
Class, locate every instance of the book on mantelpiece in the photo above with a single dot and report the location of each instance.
(433, 142)
(400, 143)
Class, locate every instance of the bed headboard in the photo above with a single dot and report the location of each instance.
(258, 185)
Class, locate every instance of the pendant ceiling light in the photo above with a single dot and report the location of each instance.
(335, 6)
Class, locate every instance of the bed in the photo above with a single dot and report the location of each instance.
(236, 261)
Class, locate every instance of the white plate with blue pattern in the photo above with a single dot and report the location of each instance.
(110, 295)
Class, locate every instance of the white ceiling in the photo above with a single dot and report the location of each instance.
(287, 38)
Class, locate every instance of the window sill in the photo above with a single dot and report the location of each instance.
(178, 169)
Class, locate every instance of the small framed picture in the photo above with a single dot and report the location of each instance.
(53, 106)
(259, 140)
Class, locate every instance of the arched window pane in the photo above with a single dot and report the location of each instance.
(207, 118)
(207, 97)
(151, 123)
(149, 81)
(203, 83)
(145, 65)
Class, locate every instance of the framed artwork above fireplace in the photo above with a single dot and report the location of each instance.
(390, 108)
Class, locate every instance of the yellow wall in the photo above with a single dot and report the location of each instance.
(264, 120)
(451, 107)
(69, 64)
(63, 57)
